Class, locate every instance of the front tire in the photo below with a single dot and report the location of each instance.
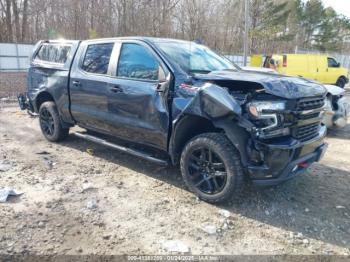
(50, 123)
(341, 82)
(211, 167)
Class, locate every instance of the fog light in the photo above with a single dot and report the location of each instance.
(277, 132)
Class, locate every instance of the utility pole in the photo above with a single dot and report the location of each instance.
(246, 31)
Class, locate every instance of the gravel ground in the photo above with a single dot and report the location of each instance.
(100, 201)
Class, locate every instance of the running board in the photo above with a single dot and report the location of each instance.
(121, 148)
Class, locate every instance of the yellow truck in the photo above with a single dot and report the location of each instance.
(321, 68)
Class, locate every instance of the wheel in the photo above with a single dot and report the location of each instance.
(211, 167)
(50, 122)
(341, 82)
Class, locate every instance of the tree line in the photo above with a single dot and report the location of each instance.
(274, 25)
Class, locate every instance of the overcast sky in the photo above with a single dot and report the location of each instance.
(341, 6)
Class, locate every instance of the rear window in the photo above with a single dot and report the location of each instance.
(53, 53)
(97, 57)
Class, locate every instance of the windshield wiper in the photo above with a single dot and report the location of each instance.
(199, 71)
(232, 69)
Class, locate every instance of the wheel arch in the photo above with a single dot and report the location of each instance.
(41, 98)
(187, 127)
(190, 126)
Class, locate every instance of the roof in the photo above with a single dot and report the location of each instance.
(141, 38)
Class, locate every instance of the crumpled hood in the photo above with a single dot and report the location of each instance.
(278, 85)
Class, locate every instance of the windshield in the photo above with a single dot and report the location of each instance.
(195, 58)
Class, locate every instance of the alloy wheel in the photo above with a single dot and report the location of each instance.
(207, 171)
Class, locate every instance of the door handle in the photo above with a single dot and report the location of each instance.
(116, 89)
(76, 83)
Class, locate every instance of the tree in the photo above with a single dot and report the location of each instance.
(276, 25)
(328, 37)
(269, 24)
(310, 17)
(9, 21)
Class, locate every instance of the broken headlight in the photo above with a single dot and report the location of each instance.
(261, 109)
(268, 118)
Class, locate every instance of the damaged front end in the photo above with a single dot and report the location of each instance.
(275, 123)
(288, 138)
(337, 108)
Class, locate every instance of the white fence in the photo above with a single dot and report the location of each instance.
(14, 57)
(238, 59)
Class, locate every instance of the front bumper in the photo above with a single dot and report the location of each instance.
(287, 159)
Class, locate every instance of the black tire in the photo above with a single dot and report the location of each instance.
(221, 189)
(50, 123)
(341, 82)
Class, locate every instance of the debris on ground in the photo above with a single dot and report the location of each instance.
(91, 204)
(87, 186)
(340, 207)
(224, 213)
(6, 192)
(175, 246)
(209, 228)
(43, 153)
(48, 162)
(90, 151)
(4, 167)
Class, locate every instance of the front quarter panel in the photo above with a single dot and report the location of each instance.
(211, 102)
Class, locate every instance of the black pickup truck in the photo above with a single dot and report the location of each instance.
(177, 102)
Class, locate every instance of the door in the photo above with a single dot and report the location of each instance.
(308, 67)
(89, 88)
(138, 110)
(333, 72)
(322, 68)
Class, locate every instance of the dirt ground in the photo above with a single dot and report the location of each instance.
(107, 202)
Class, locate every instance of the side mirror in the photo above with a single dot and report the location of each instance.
(338, 65)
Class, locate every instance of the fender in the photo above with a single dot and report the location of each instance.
(334, 90)
(237, 135)
(213, 102)
(212, 108)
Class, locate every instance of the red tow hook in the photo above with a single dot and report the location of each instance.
(303, 165)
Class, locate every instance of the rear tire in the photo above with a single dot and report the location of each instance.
(50, 123)
(211, 167)
(341, 82)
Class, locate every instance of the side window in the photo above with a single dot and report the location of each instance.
(137, 62)
(97, 57)
(53, 53)
(332, 62)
